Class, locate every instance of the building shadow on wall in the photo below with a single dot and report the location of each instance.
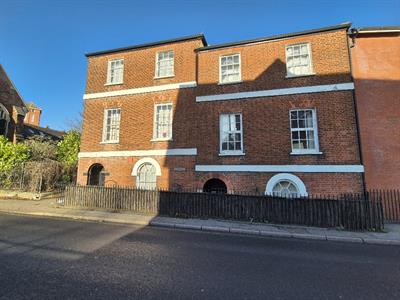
(266, 129)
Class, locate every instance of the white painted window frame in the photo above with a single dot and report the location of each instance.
(155, 138)
(311, 67)
(315, 129)
(104, 140)
(220, 69)
(109, 71)
(146, 160)
(231, 152)
(156, 76)
(286, 177)
(140, 162)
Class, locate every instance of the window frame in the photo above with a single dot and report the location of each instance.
(155, 138)
(138, 176)
(108, 82)
(314, 128)
(220, 69)
(286, 177)
(231, 152)
(156, 75)
(311, 67)
(104, 135)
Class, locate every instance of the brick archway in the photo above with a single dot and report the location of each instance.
(96, 175)
(204, 178)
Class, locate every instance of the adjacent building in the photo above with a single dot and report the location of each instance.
(274, 115)
(12, 109)
(33, 114)
(32, 126)
(20, 120)
(376, 70)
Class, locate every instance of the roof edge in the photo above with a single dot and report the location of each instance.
(377, 29)
(13, 85)
(169, 41)
(346, 25)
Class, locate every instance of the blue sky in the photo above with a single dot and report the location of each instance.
(42, 43)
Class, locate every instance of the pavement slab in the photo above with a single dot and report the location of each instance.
(50, 208)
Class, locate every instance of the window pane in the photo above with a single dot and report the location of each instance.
(298, 59)
(165, 63)
(285, 189)
(230, 68)
(115, 71)
(311, 144)
(230, 134)
(111, 125)
(146, 177)
(163, 121)
(303, 131)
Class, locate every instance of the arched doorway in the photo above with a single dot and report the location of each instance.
(215, 186)
(96, 175)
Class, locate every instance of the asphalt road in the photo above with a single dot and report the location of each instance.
(58, 259)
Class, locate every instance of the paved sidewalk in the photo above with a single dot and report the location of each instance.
(49, 208)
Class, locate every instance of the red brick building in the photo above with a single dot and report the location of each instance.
(32, 117)
(376, 70)
(274, 114)
(12, 109)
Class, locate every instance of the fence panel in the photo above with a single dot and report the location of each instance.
(360, 214)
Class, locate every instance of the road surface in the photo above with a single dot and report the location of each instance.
(48, 259)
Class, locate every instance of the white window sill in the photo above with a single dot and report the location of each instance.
(231, 82)
(232, 154)
(109, 142)
(161, 140)
(114, 83)
(162, 77)
(302, 75)
(305, 152)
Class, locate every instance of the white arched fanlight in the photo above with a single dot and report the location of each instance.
(143, 161)
(287, 184)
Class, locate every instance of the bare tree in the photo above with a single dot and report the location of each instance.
(75, 123)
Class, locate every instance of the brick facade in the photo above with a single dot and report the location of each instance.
(32, 117)
(266, 125)
(376, 70)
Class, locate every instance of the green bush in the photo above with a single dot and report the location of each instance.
(12, 158)
(12, 155)
(38, 163)
(68, 149)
